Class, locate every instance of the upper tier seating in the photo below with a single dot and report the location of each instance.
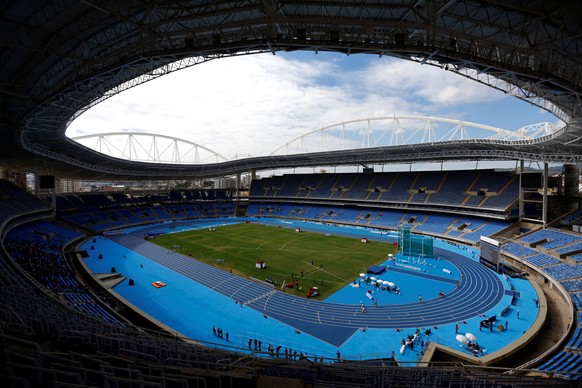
(15, 201)
(100, 211)
(481, 189)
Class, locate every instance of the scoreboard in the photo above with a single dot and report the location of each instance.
(490, 252)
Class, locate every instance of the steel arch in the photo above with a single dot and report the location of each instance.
(399, 130)
(150, 148)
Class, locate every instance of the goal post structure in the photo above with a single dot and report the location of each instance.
(411, 244)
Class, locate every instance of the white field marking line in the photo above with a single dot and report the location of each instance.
(267, 294)
(285, 274)
(292, 241)
(235, 291)
(329, 273)
(273, 239)
(284, 245)
(309, 272)
(226, 281)
(315, 251)
(267, 300)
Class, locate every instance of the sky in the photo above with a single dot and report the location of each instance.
(251, 105)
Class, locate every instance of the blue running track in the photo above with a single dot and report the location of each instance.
(478, 291)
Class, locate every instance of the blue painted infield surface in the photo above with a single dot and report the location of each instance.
(192, 309)
(410, 283)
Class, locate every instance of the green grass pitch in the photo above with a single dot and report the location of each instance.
(328, 262)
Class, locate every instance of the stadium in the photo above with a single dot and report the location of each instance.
(467, 277)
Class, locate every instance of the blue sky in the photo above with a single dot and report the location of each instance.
(250, 105)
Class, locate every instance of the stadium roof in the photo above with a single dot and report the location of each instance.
(57, 59)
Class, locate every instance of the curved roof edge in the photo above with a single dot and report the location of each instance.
(82, 55)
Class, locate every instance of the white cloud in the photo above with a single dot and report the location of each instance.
(429, 83)
(253, 104)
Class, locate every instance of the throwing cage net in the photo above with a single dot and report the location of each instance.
(414, 245)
